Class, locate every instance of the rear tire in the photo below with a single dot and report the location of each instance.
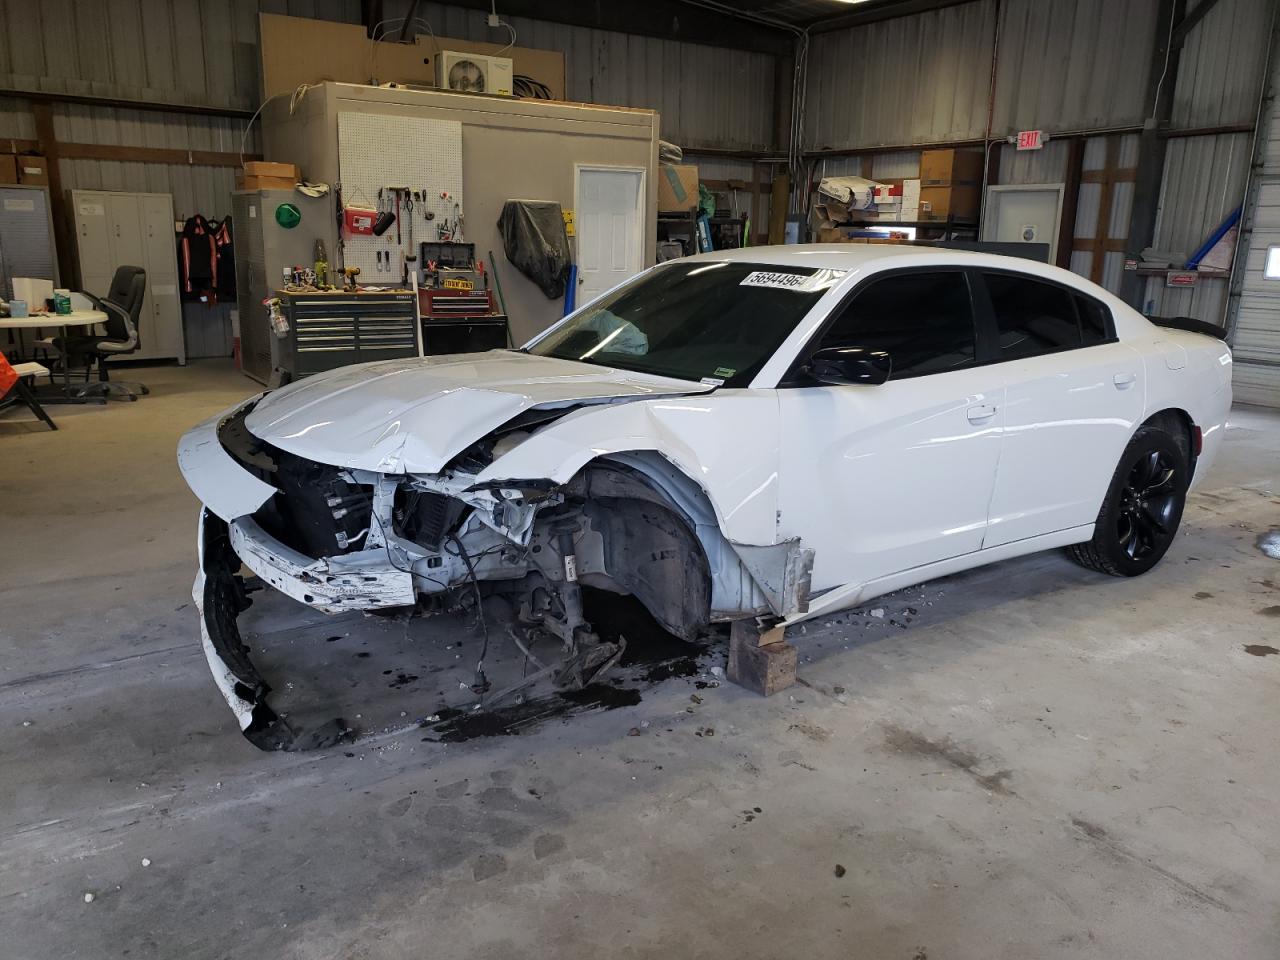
(1143, 507)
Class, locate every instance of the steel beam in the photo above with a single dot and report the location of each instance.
(1162, 76)
(664, 19)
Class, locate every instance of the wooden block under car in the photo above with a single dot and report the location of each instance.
(748, 631)
(766, 668)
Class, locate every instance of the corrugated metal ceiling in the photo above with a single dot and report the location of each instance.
(708, 97)
(910, 80)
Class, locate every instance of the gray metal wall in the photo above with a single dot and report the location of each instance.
(205, 52)
(173, 51)
(1256, 330)
(1064, 66)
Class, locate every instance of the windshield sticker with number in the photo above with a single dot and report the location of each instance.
(806, 282)
(780, 281)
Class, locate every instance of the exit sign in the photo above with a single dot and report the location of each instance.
(1030, 139)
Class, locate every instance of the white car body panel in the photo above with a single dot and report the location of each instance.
(221, 484)
(413, 415)
(726, 442)
(905, 476)
(1067, 418)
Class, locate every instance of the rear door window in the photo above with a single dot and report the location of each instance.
(1032, 317)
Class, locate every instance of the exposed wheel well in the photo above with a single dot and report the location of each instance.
(650, 545)
(1179, 423)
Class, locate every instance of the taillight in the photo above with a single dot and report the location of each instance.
(1197, 440)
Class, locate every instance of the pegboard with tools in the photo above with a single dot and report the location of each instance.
(410, 170)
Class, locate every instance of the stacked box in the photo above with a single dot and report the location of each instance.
(266, 175)
(677, 187)
(950, 184)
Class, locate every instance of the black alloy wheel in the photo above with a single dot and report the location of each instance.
(1150, 506)
(1143, 506)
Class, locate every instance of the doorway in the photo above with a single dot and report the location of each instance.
(1024, 213)
(609, 216)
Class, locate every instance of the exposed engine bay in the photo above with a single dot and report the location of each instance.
(341, 539)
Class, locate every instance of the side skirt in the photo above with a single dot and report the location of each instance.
(851, 595)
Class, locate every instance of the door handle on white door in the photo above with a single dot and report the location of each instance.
(981, 413)
(1124, 381)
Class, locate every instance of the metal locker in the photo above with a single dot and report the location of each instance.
(116, 229)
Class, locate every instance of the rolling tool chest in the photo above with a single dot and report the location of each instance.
(328, 330)
(458, 309)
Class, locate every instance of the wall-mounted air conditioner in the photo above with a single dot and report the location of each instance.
(473, 73)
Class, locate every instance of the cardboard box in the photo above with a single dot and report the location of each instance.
(819, 218)
(33, 171)
(264, 183)
(942, 167)
(266, 168)
(910, 200)
(677, 187)
(298, 50)
(950, 203)
(8, 168)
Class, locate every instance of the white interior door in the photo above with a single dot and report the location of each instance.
(1024, 214)
(610, 226)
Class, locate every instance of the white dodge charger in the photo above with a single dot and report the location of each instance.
(765, 433)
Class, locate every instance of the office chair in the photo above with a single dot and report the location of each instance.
(123, 306)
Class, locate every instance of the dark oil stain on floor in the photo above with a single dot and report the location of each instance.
(902, 740)
(657, 654)
(1091, 830)
(651, 656)
(457, 726)
(1260, 650)
(1270, 611)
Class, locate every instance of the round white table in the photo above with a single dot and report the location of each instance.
(38, 321)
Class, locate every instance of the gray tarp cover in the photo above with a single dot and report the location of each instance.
(534, 239)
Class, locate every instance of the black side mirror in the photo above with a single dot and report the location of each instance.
(838, 366)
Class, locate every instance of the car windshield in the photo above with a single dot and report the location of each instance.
(713, 322)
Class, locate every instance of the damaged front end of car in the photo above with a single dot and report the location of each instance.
(341, 538)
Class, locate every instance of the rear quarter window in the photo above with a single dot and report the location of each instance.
(1096, 324)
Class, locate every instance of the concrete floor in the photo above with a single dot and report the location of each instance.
(1041, 763)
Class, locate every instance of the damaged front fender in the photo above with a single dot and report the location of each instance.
(222, 485)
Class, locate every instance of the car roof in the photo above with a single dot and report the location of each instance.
(887, 256)
(836, 256)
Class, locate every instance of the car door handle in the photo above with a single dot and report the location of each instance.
(1124, 381)
(981, 413)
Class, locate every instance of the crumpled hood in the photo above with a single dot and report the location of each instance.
(414, 415)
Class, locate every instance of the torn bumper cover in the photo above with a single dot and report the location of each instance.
(220, 598)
